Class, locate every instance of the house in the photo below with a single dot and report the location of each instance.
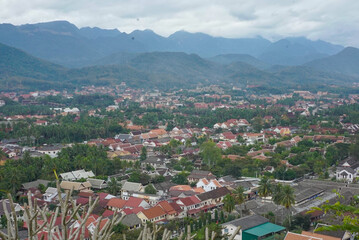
(51, 150)
(191, 204)
(347, 170)
(308, 236)
(35, 184)
(131, 221)
(208, 185)
(196, 175)
(154, 161)
(50, 194)
(173, 210)
(76, 186)
(129, 187)
(252, 138)
(116, 204)
(161, 133)
(97, 183)
(163, 187)
(213, 198)
(123, 137)
(251, 227)
(6, 203)
(134, 202)
(41, 123)
(229, 136)
(77, 175)
(154, 214)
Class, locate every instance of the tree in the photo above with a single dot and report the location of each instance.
(143, 155)
(265, 187)
(277, 195)
(210, 153)
(288, 199)
(346, 214)
(257, 124)
(113, 187)
(180, 179)
(150, 189)
(239, 196)
(229, 203)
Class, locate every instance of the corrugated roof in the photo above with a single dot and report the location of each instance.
(264, 229)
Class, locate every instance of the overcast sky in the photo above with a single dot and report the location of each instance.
(335, 21)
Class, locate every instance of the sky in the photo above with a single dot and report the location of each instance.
(336, 21)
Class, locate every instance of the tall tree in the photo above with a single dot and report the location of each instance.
(229, 203)
(288, 199)
(265, 187)
(239, 196)
(210, 153)
(113, 187)
(143, 154)
(277, 195)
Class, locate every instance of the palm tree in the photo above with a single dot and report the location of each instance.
(239, 196)
(265, 187)
(277, 195)
(288, 199)
(113, 187)
(229, 203)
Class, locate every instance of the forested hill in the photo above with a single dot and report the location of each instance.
(345, 62)
(19, 70)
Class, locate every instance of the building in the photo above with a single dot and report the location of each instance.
(51, 150)
(77, 175)
(154, 214)
(308, 236)
(251, 228)
(347, 170)
(129, 187)
(97, 183)
(196, 175)
(76, 186)
(208, 185)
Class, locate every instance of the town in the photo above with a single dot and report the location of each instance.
(221, 157)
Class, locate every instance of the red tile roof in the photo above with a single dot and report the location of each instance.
(116, 203)
(133, 202)
(154, 212)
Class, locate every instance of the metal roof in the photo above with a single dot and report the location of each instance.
(264, 229)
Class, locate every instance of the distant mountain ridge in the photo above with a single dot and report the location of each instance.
(63, 43)
(344, 62)
(162, 70)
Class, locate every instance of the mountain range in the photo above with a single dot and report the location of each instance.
(63, 43)
(162, 70)
(60, 55)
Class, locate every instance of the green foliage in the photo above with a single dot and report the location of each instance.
(301, 222)
(143, 155)
(346, 214)
(180, 178)
(119, 228)
(265, 187)
(113, 187)
(210, 153)
(79, 156)
(229, 203)
(139, 177)
(149, 189)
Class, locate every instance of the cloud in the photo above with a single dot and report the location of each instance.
(336, 21)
